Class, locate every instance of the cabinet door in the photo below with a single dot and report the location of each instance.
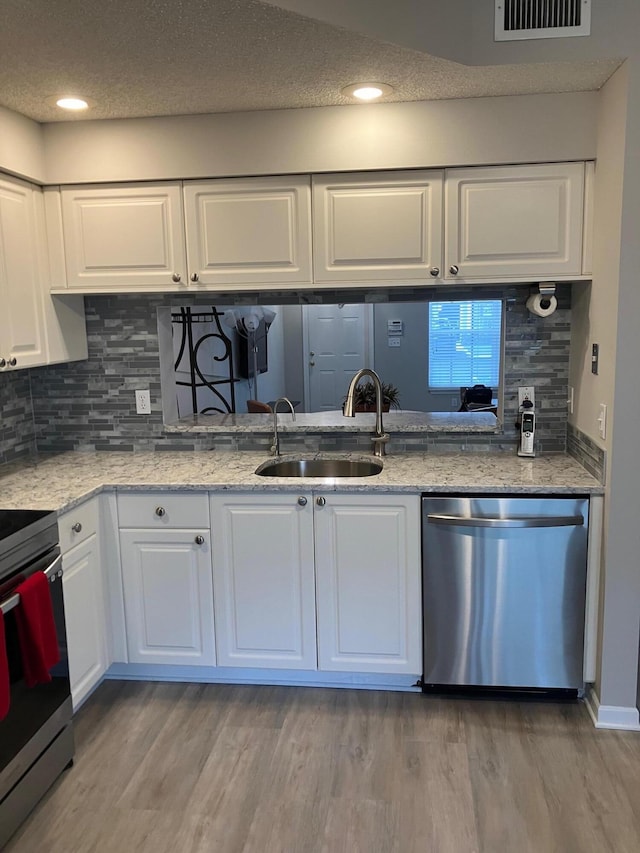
(124, 237)
(514, 221)
(168, 597)
(248, 231)
(264, 581)
(84, 617)
(378, 226)
(368, 570)
(22, 338)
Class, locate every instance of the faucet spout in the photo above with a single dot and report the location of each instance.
(380, 437)
(275, 447)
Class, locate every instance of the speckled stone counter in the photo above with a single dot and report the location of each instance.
(60, 482)
(394, 422)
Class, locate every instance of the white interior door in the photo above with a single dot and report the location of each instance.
(337, 343)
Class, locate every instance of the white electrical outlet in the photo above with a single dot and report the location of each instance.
(526, 393)
(143, 402)
(602, 421)
(570, 400)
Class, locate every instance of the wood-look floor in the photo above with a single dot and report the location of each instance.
(220, 769)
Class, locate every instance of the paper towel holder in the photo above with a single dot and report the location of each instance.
(546, 289)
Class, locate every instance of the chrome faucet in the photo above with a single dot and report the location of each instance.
(275, 447)
(381, 437)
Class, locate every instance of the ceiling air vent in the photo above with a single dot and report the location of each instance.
(542, 19)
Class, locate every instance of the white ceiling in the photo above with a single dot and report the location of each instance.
(174, 57)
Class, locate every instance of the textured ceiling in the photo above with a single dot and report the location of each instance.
(174, 57)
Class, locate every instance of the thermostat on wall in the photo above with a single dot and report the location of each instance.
(395, 327)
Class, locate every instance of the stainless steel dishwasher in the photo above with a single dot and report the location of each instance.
(504, 585)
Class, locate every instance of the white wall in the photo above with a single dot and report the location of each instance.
(475, 131)
(21, 146)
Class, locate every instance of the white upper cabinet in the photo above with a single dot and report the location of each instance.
(249, 230)
(124, 237)
(35, 328)
(377, 226)
(510, 222)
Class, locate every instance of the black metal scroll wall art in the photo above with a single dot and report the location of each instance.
(204, 358)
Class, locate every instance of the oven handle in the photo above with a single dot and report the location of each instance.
(51, 571)
(533, 521)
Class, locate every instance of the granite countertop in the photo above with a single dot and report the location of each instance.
(62, 481)
(394, 422)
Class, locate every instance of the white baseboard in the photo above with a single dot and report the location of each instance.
(611, 716)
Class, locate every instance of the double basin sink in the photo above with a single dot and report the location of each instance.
(321, 467)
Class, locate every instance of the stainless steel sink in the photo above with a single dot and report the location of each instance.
(319, 468)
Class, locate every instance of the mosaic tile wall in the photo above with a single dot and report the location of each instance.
(17, 432)
(88, 405)
(587, 452)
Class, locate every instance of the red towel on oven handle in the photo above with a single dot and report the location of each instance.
(4, 672)
(36, 629)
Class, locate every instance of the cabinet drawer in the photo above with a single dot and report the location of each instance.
(78, 524)
(163, 509)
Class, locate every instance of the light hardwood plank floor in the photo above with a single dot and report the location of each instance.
(175, 768)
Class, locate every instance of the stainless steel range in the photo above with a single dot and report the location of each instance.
(36, 738)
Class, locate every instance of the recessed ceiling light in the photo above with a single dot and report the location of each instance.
(69, 102)
(367, 91)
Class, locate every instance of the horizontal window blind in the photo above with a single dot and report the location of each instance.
(465, 343)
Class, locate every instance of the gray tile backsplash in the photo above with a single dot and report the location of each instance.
(587, 452)
(89, 405)
(17, 432)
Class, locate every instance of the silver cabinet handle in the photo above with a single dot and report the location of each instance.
(321, 501)
(195, 276)
(302, 501)
(453, 269)
(533, 521)
(160, 511)
(176, 277)
(77, 527)
(3, 362)
(434, 271)
(13, 361)
(199, 540)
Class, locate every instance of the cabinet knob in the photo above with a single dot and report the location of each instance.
(453, 269)
(312, 364)
(160, 511)
(199, 540)
(13, 361)
(321, 501)
(3, 362)
(176, 277)
(302, 501)
(77, 527)
(195, 276)
(434, 271)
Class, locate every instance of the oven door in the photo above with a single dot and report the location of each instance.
(37, 714)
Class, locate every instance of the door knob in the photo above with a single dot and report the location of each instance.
(453, 269)
(434, 271)
(302, 501)
(13, 361)
(321, 501)
(199, 540)
(160, 511)
(176, 277)
(77, 527)
(195, 276)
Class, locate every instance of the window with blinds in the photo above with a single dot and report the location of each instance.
(465, 343)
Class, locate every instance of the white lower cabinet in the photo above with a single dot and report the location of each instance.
(368, 582)
(84, 599)
(364, 552)
(263, 570)
(166, 576)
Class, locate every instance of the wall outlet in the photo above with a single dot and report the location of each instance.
(602, 421)
(570, 400)
(526, 394)
(143, 402)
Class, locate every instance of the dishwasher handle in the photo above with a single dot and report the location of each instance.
(531, 521)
